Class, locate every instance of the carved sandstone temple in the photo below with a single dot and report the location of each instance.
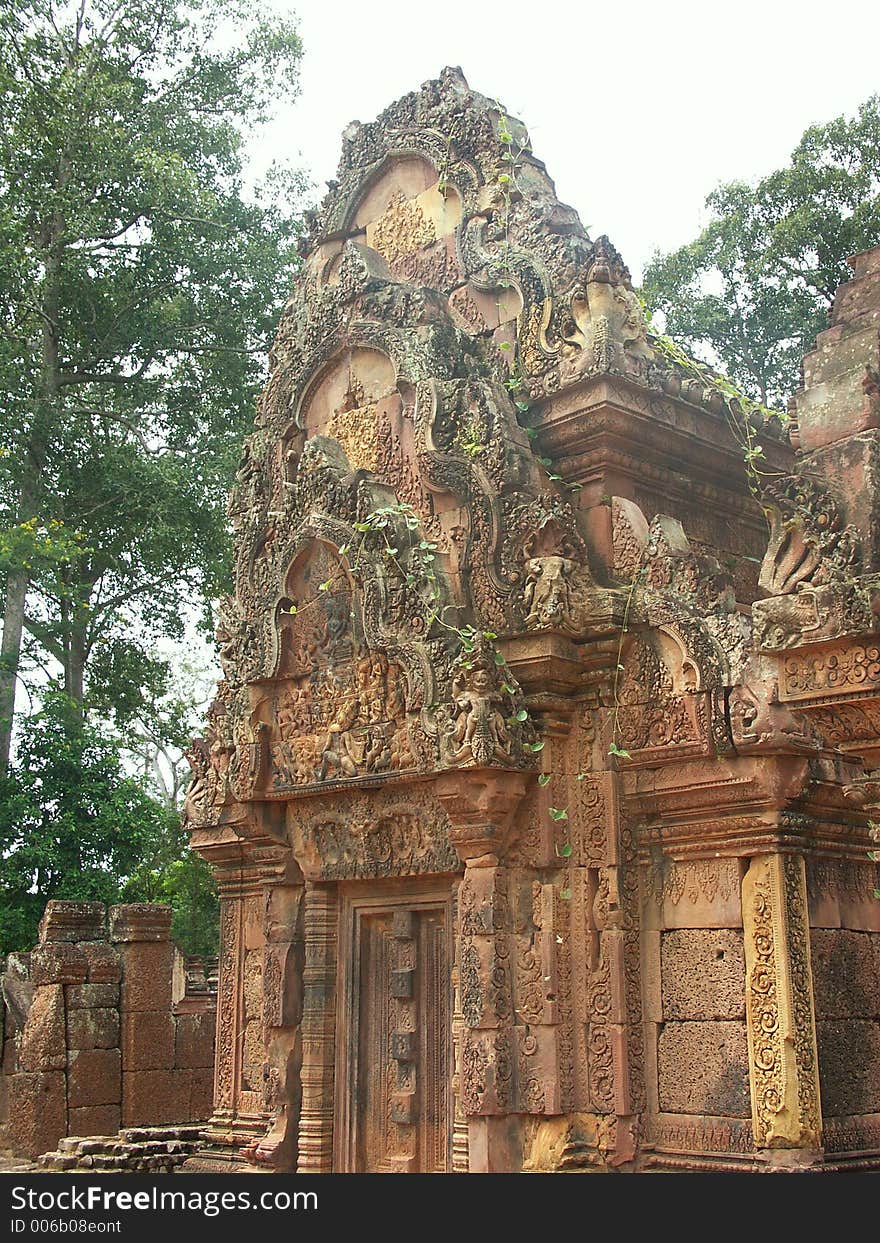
(538, 784)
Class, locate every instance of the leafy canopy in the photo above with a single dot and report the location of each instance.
(754, 288)
(73, 826)
(139, 285)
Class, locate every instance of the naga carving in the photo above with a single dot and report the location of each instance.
(810, 570)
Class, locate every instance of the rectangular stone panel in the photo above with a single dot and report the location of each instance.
(37, 1112)
(73, 921)
(93, 1029)
(154, 1097)
(43, 1045)
(140, 921)
(201, 1097)
(703, 1068)
(104, 965)
(95, 1120)
(849, 1066)
(703, 974)
(93, 1077)
(146, 975)
(846, 973)
(194, 1040)
(147, 1040)
(58, 962)
(78, 996)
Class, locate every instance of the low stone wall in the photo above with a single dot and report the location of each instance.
(105, 1025)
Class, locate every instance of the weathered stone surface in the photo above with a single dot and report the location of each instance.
(201, 1097)
(67, 1044)
(703, 974)
(704, 1068)
(194, 1040)
(18, 992)
(95, 1120)
(140, 921)
(43, 1046)
(148, 1040)
(849, 1066)
(846, 973)
(101, 996)
(37, 1111)
(155, 1096)
(93, 1029)
(143, 1150)
(58, 963)
(147, 976)
(73, 921)
(103, 963)
(93, 1077)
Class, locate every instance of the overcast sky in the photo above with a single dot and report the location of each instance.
(638, 109)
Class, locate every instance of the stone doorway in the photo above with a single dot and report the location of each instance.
(394, 1037)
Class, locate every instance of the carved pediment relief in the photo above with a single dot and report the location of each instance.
(660, 700)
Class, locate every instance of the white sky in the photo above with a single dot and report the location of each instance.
(638, 109)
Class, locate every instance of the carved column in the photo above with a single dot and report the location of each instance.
(460, 1161)
(238, 1095)
(282, 971)
(481, 803)
(783, 1062)
(318, 1029)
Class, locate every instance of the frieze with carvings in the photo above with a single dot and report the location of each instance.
(698, 1135)
(357, 839)
(344, 722)
(693, 880)
(820, 675)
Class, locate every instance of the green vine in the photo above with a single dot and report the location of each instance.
(740, 411)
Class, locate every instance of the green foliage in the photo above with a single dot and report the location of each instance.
(73, 825)
(754, 288)
(172, 873)
(140, 284)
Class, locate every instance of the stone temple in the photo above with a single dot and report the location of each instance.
(540, 779)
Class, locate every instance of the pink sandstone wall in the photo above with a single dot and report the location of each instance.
(105, 1026)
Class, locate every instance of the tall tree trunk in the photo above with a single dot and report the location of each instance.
(74, 669)
(10, 652)
(31, 487)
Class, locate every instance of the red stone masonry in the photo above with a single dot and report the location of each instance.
(104, 1027)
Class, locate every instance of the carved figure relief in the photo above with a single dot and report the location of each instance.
(653, 712)
(402, 229)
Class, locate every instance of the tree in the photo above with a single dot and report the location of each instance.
(71, 824)
(754, 289)
(139, 286)
(170, 872)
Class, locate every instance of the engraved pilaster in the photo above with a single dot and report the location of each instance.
(783, 1062)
